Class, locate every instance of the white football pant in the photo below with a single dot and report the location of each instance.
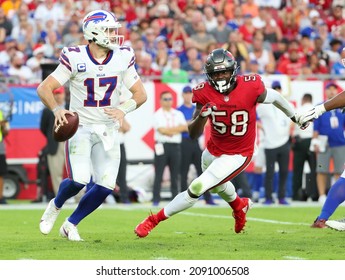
(93, 151)
(217, 171)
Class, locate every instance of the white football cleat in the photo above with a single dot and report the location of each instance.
(49, 217)
(337, 225)
(70, 231)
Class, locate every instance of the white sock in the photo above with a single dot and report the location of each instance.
(227, 192)
(181, 202)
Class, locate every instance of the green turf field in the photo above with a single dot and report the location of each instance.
(200, 233)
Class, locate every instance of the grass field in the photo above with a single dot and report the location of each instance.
(200, 233)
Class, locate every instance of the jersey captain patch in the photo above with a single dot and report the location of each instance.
(81, 67)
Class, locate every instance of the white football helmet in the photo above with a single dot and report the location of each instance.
(102, 28)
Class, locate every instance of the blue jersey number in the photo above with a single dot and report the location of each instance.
(109, 82)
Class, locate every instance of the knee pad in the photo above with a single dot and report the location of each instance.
(196, 188)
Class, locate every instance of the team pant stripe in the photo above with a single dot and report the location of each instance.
(68, 161)
(236, 172)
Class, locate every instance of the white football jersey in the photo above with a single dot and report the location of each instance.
(94, 85)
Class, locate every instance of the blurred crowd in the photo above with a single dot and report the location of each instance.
(300, 38)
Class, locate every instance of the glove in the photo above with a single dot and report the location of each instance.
(297, 119)
(312, 114)
(207, 109)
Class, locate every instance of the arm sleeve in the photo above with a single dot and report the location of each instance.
(275, 98)
(61, 74)
(131, 77)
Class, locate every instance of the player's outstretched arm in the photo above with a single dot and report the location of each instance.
(336, 102)
(271, 96)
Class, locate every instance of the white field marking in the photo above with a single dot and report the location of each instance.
(293, 258)
(248, 218)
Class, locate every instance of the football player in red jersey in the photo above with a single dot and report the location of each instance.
(229, 102)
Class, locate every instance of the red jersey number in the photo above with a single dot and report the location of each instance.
(249, 78)
(238, 122)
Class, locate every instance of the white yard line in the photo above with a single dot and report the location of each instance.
(248, 218)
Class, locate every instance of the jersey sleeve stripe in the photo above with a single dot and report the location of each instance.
(131, 62)
(63, 62)
(65, 57)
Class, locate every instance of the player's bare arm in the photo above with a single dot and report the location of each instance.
(45, 92)
(197, 124)
(336, 102)
(139, 97)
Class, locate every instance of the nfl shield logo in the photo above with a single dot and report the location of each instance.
(100, 68)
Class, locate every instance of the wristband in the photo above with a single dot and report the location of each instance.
(128, 106)
(319, 110)
(56, 108)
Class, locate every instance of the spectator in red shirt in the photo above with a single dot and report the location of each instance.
(247, 29)
(288, 24)
(147, 68)
(293, 65)
(177, 37)
(316, 65)
(335, 20)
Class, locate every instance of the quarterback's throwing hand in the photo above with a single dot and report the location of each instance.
(207, 109)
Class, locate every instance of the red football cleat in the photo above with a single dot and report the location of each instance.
(144, 228)
(240, 215)
(319, 223)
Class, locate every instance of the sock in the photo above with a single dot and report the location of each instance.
(236, 204)
(89, 185)
(335, 197)
(67, 189)
(227, 192)
(161, 216)
(89, 203)
(181, 202)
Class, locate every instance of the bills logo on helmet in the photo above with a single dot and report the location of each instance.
(95, 18)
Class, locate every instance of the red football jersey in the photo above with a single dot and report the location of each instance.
(233, 125)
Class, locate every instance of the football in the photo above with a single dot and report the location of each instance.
(65, 132)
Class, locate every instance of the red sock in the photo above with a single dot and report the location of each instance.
(161, 216)
(237, 204)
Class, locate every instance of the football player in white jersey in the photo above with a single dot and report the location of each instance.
(95, 73)
(336, 194)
